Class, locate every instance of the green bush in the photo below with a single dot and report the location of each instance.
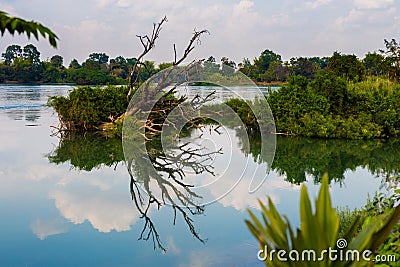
(331, 107)
(87, 107)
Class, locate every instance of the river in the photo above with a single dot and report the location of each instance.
(68, 202)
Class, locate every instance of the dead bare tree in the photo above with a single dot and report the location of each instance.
(152, 168)
(148, 43)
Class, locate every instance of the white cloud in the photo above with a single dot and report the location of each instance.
(372, 4)
(243, 7)
(103, 3)
(43, 229)
(354, 16)
(317, 3)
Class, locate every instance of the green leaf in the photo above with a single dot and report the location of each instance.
(12, 24)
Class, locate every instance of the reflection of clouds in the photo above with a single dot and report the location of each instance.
(239, 182)
(240, 198)
(105, 210)
(172, 247)
(39, 172)
(43, 229)
(9, 139)
(197, 260)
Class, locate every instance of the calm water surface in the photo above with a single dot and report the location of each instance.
(68, 203)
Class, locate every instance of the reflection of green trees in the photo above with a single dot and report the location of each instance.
(294, 157)
(297, 157)
(87, 151)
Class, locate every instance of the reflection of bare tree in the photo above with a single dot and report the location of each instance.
(165, 170)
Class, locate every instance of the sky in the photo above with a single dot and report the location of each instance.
(238, 28)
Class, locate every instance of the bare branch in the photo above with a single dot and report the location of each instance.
(148, 44)
(190, 47)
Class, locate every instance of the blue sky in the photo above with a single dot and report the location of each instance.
(238, 29)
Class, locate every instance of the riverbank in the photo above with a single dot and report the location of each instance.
(332, 107)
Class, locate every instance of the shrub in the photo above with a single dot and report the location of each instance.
(332, 107)
(87, 107)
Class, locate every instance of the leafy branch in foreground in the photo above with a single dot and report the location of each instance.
(318, 232)
(14, 24)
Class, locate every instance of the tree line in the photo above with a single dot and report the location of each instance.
(23, 64)
(269, 67)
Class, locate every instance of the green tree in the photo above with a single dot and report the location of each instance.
(74, 64)
(91, 64)
(211, 66)
(14, 24)
(164, 65)
(228, 66)
(333, 88)
(263, 61)
(347, 66)
(31, 53)
(52, 74)
(276, 72)
(119, 67)
(374, 64)
(247, 68)
(101, 58)
(147, 69)
(57, 61)
(304, 67)
(392, 58)
(321, 61)
(12, 52)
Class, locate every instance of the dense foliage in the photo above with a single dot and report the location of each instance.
(269, 67)
(85, 108)
(330, 106)
(98, 69)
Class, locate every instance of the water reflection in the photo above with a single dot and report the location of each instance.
(296, 158)
(170, 180)
(26, 102)
(87, 151)
(162, 170)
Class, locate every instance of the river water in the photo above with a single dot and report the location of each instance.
(68, 202)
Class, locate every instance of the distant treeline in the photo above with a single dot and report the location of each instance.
(24, 65)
